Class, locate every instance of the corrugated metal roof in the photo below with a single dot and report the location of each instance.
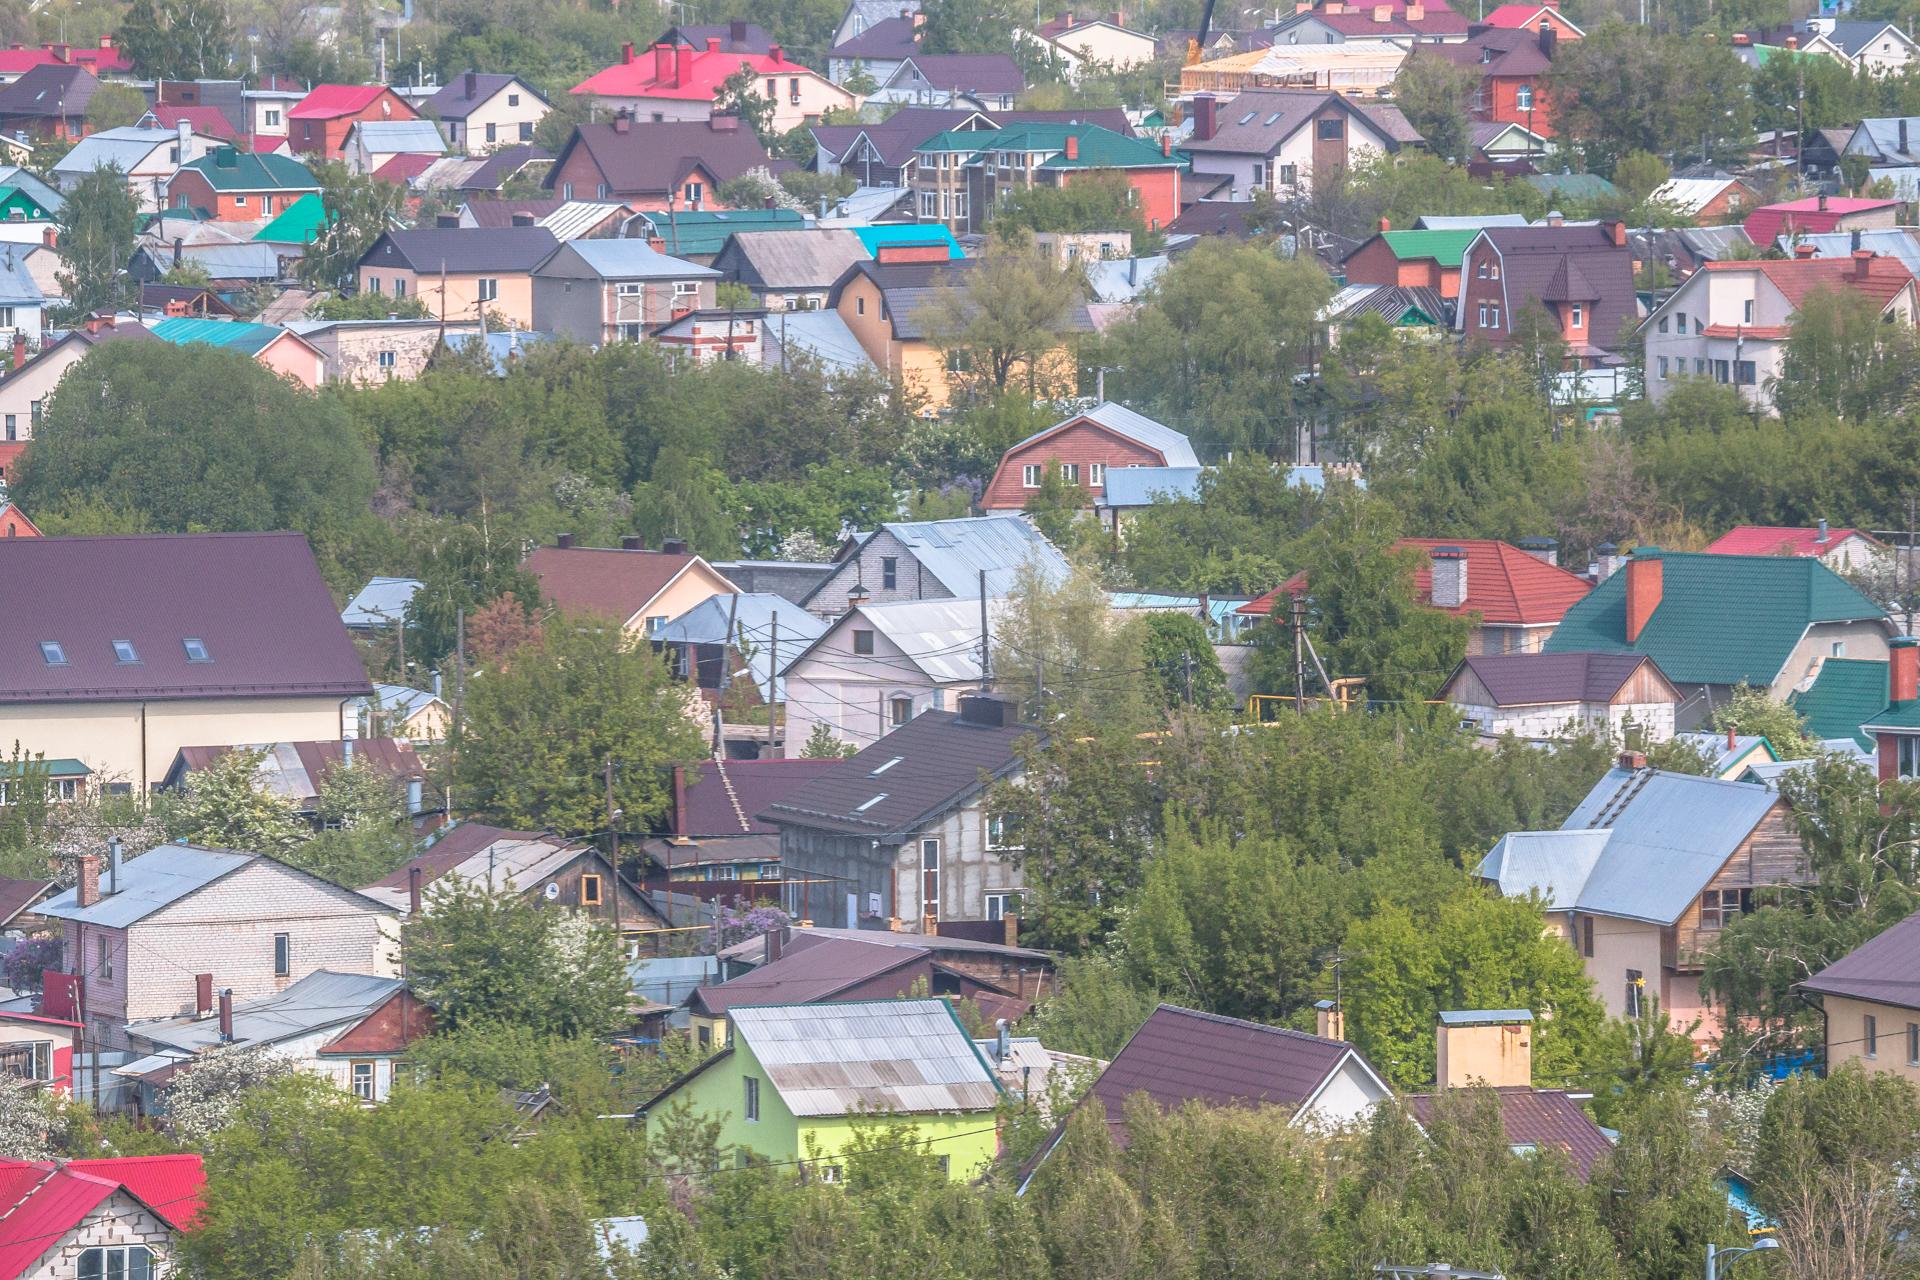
(398, 697)
(955, 552)
(381, 603)
(1143, 486)
(1893, 242)
(157, 878)
(1845, 694)
(240, 261)
(941, 637)
(636, 260)
(748, 618)
(13, 175)
(816, 335)
(123, 148)
(17, 287)
(1138, 427)
(320, 1000)
(811, 257)
(905, 1056)
(1124, 279)
(753, 949)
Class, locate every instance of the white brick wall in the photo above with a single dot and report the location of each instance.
(118, 1221)
(865, 568)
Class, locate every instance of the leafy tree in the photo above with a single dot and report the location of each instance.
(1102, 201)
(1626, 88)
(731, 295)
(1096, 1008)
(822, 745)
(1639, 174)
(178, 39)
(464, 570)
(968, 26)
(205, 1094)
(739, 95)
(687, 497)
(359, 208)
(115, 106)
(28, 1120)
(1842, 359)
(97, 226)
(1006, 316)
(1659, 1188)
(1752, 711)
(1181, 657)
(1434, 95)
(1635, 1056)
(534, 739)
(368, 306)
(225, 807)
(1057, 646)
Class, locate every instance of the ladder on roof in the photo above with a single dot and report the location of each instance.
(733, 797)
(1612, 809)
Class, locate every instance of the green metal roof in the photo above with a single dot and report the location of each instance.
(1721, 619)
(235, 334)
(1904, 716)
(1448, 247)
(1099, 148)
(61, 768)
(700, 232)
(299, 223)
(1577, 186)
(1845, 695)
(227, 169)
(13, 198)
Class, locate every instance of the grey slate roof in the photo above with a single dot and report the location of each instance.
(155, 879)
(1533, 679)
(316, 1002)
(813, 258)
(1853, 37)
(890, 38)
(1885, 969)
(631, 260)
(906, 1056)
(1138, 427)
(462, 249)
(381, 603)
(955, 552)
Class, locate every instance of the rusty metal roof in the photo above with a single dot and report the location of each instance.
(906, 1056)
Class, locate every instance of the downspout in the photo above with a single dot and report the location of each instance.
(146, 790)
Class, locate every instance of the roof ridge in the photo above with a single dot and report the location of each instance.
(1249, 1023)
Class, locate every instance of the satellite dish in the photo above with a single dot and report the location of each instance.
(552, 891)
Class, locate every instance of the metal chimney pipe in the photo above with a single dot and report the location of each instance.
(226, 1015)
(114, 855)
(413, 891)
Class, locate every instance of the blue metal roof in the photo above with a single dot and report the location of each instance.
(418, 137)
(1144, 486)
(17, 287)
(955, 552)
(752, 616)
(893, 233)
(157, 878)
(381, 603)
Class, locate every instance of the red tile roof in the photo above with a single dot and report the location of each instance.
(330, 101)
(1504, 584)
(50, 1198)
(707, 68)
(1777, 540)
(1810, 216)
(1795, 278)
(608, 581)
(1546, 1119)
(403, 168)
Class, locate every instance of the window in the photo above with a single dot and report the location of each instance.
(1483, 315)
(1523, 97)
(1744, 373)
(1586, 937)
(399, 286)
(1746, 312)
(1870, 1036)
(1662, 326)
(694, 192)
(239, 202)
(373, 285)
(118, 1262)
(1578, 315)
(830, 1173)
(266, 205)
(387, 359)
(196, 649)
(705, 1036)
(863, 642)
(282, 955)
(868, 804)
(360, 1080)
(1636, 986)
(103, 959)
(27, 1060)
(53, 653)
(493, 134)
(1002, 832)
(1097, 474)
(6, 318)
(590, 891)
(860, 306)
(929, 204)
(526, 131)
(1493, 268)
(1289, 175)
(773, 87)
(13, 430)
(1029, 474)
(1002, 905)
(273, 116)
(1699, 366)
(1330, 130)
(1908, 756)
(1259, 174)
(769, 871)
(33, 413)
(1722, 372)
(1719, 907)
(123, 651)
(899, 710)
(1838, 649)
(1913, 1044)
(489, 290)
(1480, 269)
(1070, 472)
(1681, 319)
(889, 571)
(1493, 315)
(727, 872)
(1663, 368)
(67, 789)
(1699, 326)
(930, 877)
(566, 191)
(751, 1084)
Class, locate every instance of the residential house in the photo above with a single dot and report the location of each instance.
(1869, 1000)
(1529, 16)
(1516, 597)
(1715, 622)
(1003, 963)
(1360, 69)
(1820, 214)
(372, 145)
(1579, 274)
(153, 936)
(147, 158)
(699, 235)
(1878, 48)
(414, 715)
(1402, 307)
(673, 165)
(900, 831)
(637, 588)
(319, 123)
(601, 291)
(1645, 873)
(163, 300)
(820, 971)
(220, 123)
(736, 35)
(281, 350)
(1684, 250)
(567, 219)
(1735, 756)
(1742, 316)
(15, 524)
(961, 175)
(878, 51)
(675, 82)
(1181, 1056)
(297, 772)
(28, 208)
(714, 333)
(1544, 696)
(1277, 140)
(1098, 42)
(1131, 490)
(981, 81)
(936, 560)
(1411, 260)
(546, 869)
(106, 59)
(1895, 728)
(863, 15)
(790, 270)
(1845, 694)
(482, 110)
(460, 273)
(1085, 449)
(490, 173)
(268, 106)
(737, 638)
(1333, 22)
(37, 1048)
(1495, 141)
(48, 104)
(25, 388)
(230, 185)
(350, 1029)
(714, 833)
(361, 352)
(1513, 66)
(22, 304)
(883, 155)
(119, 1216)
(796, 1082)
(1710, 202)
(1893, 242)
(232, 264)
(1842, 550)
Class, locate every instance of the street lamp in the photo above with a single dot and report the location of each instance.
(1719, 1260)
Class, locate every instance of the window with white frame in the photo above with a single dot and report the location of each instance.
(360, 1080)
(118, 1262)
(1097, 474)
(1030, 476)
(489, 290)
(1002, 832)
(1579, 316)
(1070, 472)
(1746, 311)
(388, 359)
(1002, 905)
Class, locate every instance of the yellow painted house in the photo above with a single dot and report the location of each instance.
(796, 1082)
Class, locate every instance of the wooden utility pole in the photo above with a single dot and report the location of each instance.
(1298, 610)
(613, 837)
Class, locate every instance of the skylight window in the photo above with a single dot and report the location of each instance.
(1273, 119)
(888, 765)
(869, 804)
(54, 652)
(1248, 118)
(196, 649)
(123, 651)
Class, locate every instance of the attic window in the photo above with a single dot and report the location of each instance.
(196, 650)
(1247, 118)
(888, 765)
(123, 651)
(1273, 119)
(54, 653)
(862, 808)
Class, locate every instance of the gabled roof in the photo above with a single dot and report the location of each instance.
(911, 1057)
(1783, 540)
(237, 335)
(1505, 585)
(295, 771)
(122, 148)
(159, 878)
(812, 975)
(753, 950)
(927, 766)
(299, 223)
(210, 121)
(49, 1199)
(49, 92)
(775, 260)
(891, 39)
(1173, 446)
(453, 845)
(1258, 121)
(735, 36)
(331, 101)
(1524, 17)
(1540, 1120)
(230, 169)
(1845, 694)
(1537, 261)
(1721, 619)
(630, 260)
(955, 552)
(22, 179)
(1540, 679)
(1495, 52)
(612, 582)
(471, 89)
(1885, 969)
(906, 287)
(462, 250)
(940, 637)
(749, 619)
(704, 232)
(1795, 278)
(727, 797)
(707, 69)
(17, 896)
(1444, 247)
(1815, 213)
(994, 73)
(1852, 38)
(645, 159)
(1691, 195)
(321, 1000)
(567, 219)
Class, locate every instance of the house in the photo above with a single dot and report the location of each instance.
(267, 106)
(1715, 622)
(1493, 1049)
(319, 123)
(1743, 312)
(1411, 259)
(883, 155)
(15, 524)
(637, 588)
(232, 264)
(1644, 874)
(185, 639)
(935, 560)
(1845, 694)
(961, 175)
(489, 173)
(297, 225)
(1869, 1000)
(351, 1029)
(675, 164)
(863, 15)
(22, 304)
(1710, 202)
(1027, 971)
(38, 1048)
(714, 333)
(567, 219)
(1684, 250)
(1517, 596)
(1359, 69)
(1540, 696)
(1084, 449)
(119, 1216)
(1895, 728)
(1878, 48)
(790, 270)
(1892, 242)
(147, 158)
(675, 82)
(1131, 490)
(481, 110)
(837, 971)
(1099, 42)
(1842, 550)
(981, 81)
(231, 185)
(1276, 140)
(163, 300)
(460, 273)
(1579, 274)
(296, 772)
(1818, 214)
(902, 826)
(25, 388)
(372, 145)
(48, 104)
(1735, 756)
(1498, 140)
(18, 59)
(1413, 308)
(1182, 1055)
(1513, 66)
(601, 291)
(152, 936)
(699, 235)
(28, 208)
(1529, 17)
(281, 350)
(547, 870)
(414, 715)
(713, 833)
(359, 352)
(738, 637)
(736, 35)
(878, 51)
(796, 1083)
(209, 121)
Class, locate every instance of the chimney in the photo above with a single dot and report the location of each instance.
(986, 709)
(682, 65)
(523, 220)
(632, 542)
(1821, 539)
(713, 44)
(226, 158)
(626, 54)
(1547, 39)
(725, 122)
(178, 250)
(1633, 761)
(446, 221)
(1806, 252)
(1416, 12)
(226, 1015)
(1484, 1046)
(1545, 550)
(1002, 1041)
(776, 940)
(1383, 13)
(1733, 738)
(413, 891)
(1862, 263)
(19, 347)
(116, 854)
(1645, 576)
(1073, 147)
(1903, 671)
(623, 122)
(737, 31)
(471, 84)
(1823, 202)
(1166, 144)
(1449, 577)
(1903, 133)
(1853, 241)
(1793, 42)
(1329, 1021)
(87, 892)
(1616, 232)
(675, 547)
(183, 133)
(1555, 218)
(1386, 225)
(202, 994)
(774, 53)
(50, 237)
(563, 541)
(663, 63)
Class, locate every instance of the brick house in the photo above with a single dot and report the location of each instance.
(1580, 274)
(962, 174)
(231, 185)
(115, 1217)
(1085, 448)
(1512, 65)
(151, 936)
(676, 164)
(677, 82)
(319, 123)
(49, 103)
(1411, 259)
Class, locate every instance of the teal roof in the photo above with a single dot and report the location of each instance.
(62, 768)
(703, 232)
(1449, 247)
(1099, 148)
(1904, 716)
(1721, 619)
(299, 223)
(896, 233)
(1577, 186)
(238, 335)
(227, 169)
(1845, 695)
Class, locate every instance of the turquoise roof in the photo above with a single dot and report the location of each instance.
(65, 767)
(896, 233)
(240, 336)
(1846, 694)
(1099, 148)
(1724, 620)
(229, 169)
(299, 223)
(703, 232)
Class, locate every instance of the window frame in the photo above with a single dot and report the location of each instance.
(1030, 475)
(890, 572)
(863, 642)
(1869, 1036)
(354, 1079)
(54, 654)
(196, 649)
(750, 1098)
(592, 890)
(283, 955)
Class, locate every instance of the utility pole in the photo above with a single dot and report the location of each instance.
(773, 681)
(613, 837)
(1186, 661)
(986, 652)
(459, 696)
(1298, 609)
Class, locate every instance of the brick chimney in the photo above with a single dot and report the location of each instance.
(1166, 144)
(1616, 231)
(1862, 263)
(1806, 252)
(776, 941)
(1823, 202)
(1903, 671)
(87, 892)
(472, 81)
(202, 994)
(626, 57)
(1493, 1047)
(682, 65)
(1633, 761)
(19, 348)
(1386, 224)
(1645, 580)
(1793, 42)
(623, 122)
(632, 542)
(1073, 147)
(1206, 117)
(1449, 577)
(775, 53)
(663, 63)
(1329, 1021)
(713, 44)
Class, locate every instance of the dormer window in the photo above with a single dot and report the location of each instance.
(123, 651)
(53, 653)
(196, 650)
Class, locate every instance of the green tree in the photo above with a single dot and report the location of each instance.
(115, 106)
(1639, 174)
(97, 226)
(225, 807)
(1627, 88)
(739, 95)
(462, 569)
(1752, 711)
(1181, 658)
(359, 209)
(1002, 322)
(1101, 201)
(534, 739)
(687, 497)
(968, 26)
(1659, 1189)
(367, 306)
(1841, 358)
(1434, 95)
(178, 39)
(822, 745)
(1059, 648)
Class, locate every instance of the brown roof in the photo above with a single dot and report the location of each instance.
(1536, 262)
(1532, 679)
(1545, 1119)
(18, 895)
(454, 847)
(1496, 51)
(706, 805)
(648, 159)
(1885, 969)
(609, 581)
(1258, 121)
(49, 92)
(814, 973)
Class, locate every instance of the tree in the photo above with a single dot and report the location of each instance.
(1841, 358)
(1752, 712)
(1434, 95)
(1004, 316)
(97, 226)
(368, 306)
(1101, 201)
(822, 745)
(1639, 174)
(465, 569)
(1181, 656)
(480, 958)
(28, 1120)
(1057, 646)
(205, 1094)
(359, 209)
(1626, 88)
(968, 26)
(225, 807)
(178, 39)
(115, 106)
(739, 95)
(533, 743)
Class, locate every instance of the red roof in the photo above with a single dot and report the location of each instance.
(1524, 17)
(1811, 216)
(172, 1186)
(614, 583)
(706, 69)
(102, 59)
(1781, 540)
(404, 168)
(210, 121)
(50, 1198)
(330, 101)
(1504, 584)
(1795, 278)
